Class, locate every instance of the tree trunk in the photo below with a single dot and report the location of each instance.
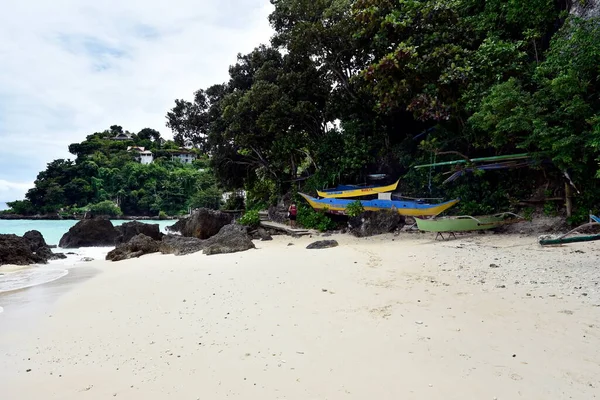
(568, 199)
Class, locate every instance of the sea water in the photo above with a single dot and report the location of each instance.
(15, 278)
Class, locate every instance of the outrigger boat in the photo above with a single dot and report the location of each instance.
(594, 221)
(403, 207)
(342, 191)
(465, 223)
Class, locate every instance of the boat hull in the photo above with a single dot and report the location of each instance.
(459, 224)
(406, 208)
(349, 191)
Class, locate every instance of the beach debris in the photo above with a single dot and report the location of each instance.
(28, 370)
(290, 244)
(494, 266)
(419, 322)
(87, 259)
(501, 286)
(322, 244)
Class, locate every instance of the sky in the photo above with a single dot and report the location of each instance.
(69, 68)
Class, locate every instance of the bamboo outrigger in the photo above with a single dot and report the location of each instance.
(564, 239)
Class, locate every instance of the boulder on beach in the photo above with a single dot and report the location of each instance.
(371, 223)
(16, 250)
(204, 223)
(261, 234)
(29, 249)
(177, 226)
(90, 233)
(136, 247)
(131, 229)
(180, 245)
(230, 239)
(322, 244)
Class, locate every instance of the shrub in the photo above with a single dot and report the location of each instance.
(162, 215)
(250, 218)
(354, 209)
(106, 207)
(311, 219)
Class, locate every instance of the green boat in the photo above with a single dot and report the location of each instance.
(465, 223)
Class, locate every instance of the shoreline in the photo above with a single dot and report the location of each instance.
(387, 316)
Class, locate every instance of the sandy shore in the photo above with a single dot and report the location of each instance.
(405, 317)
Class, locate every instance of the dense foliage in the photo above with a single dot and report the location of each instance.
(107, 179)
(347, 88)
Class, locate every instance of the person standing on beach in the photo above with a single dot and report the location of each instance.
(292, 211)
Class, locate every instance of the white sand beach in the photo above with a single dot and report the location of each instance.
(390, 317)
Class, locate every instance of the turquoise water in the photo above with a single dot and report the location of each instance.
(53, 230)
(15, 278)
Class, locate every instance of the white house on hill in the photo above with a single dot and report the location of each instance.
(183, 156)
(143, 156)
(122, 136)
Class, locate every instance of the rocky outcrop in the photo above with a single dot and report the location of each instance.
(29, 249)
(180, 245)
(261, 234)
(585, 9)
(16, 250)
(131, 229)
(38, 245)
(136, 247)
(90, 233)
(322, 244)
(372, 223)
(204, 223)
(230, 239)
(177, 226)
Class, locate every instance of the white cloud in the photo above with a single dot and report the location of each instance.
(73, 67)
(12, 190)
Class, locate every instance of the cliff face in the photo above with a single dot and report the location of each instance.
(585, 8)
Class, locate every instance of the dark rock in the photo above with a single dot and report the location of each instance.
(17, 250)
(179, 245)
(36, 240)
(322, 244)
(130, 229)
(204, 223)
(178, 226)
(263, 234)
(230, 239)
(372, 223)
(136, 247)
(89, 233)
(29, 249)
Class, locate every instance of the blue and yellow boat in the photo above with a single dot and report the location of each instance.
(413, 208)
(343, 191)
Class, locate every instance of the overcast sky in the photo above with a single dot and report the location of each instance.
(69, 68)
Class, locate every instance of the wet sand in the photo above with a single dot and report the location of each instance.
(483, 316)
